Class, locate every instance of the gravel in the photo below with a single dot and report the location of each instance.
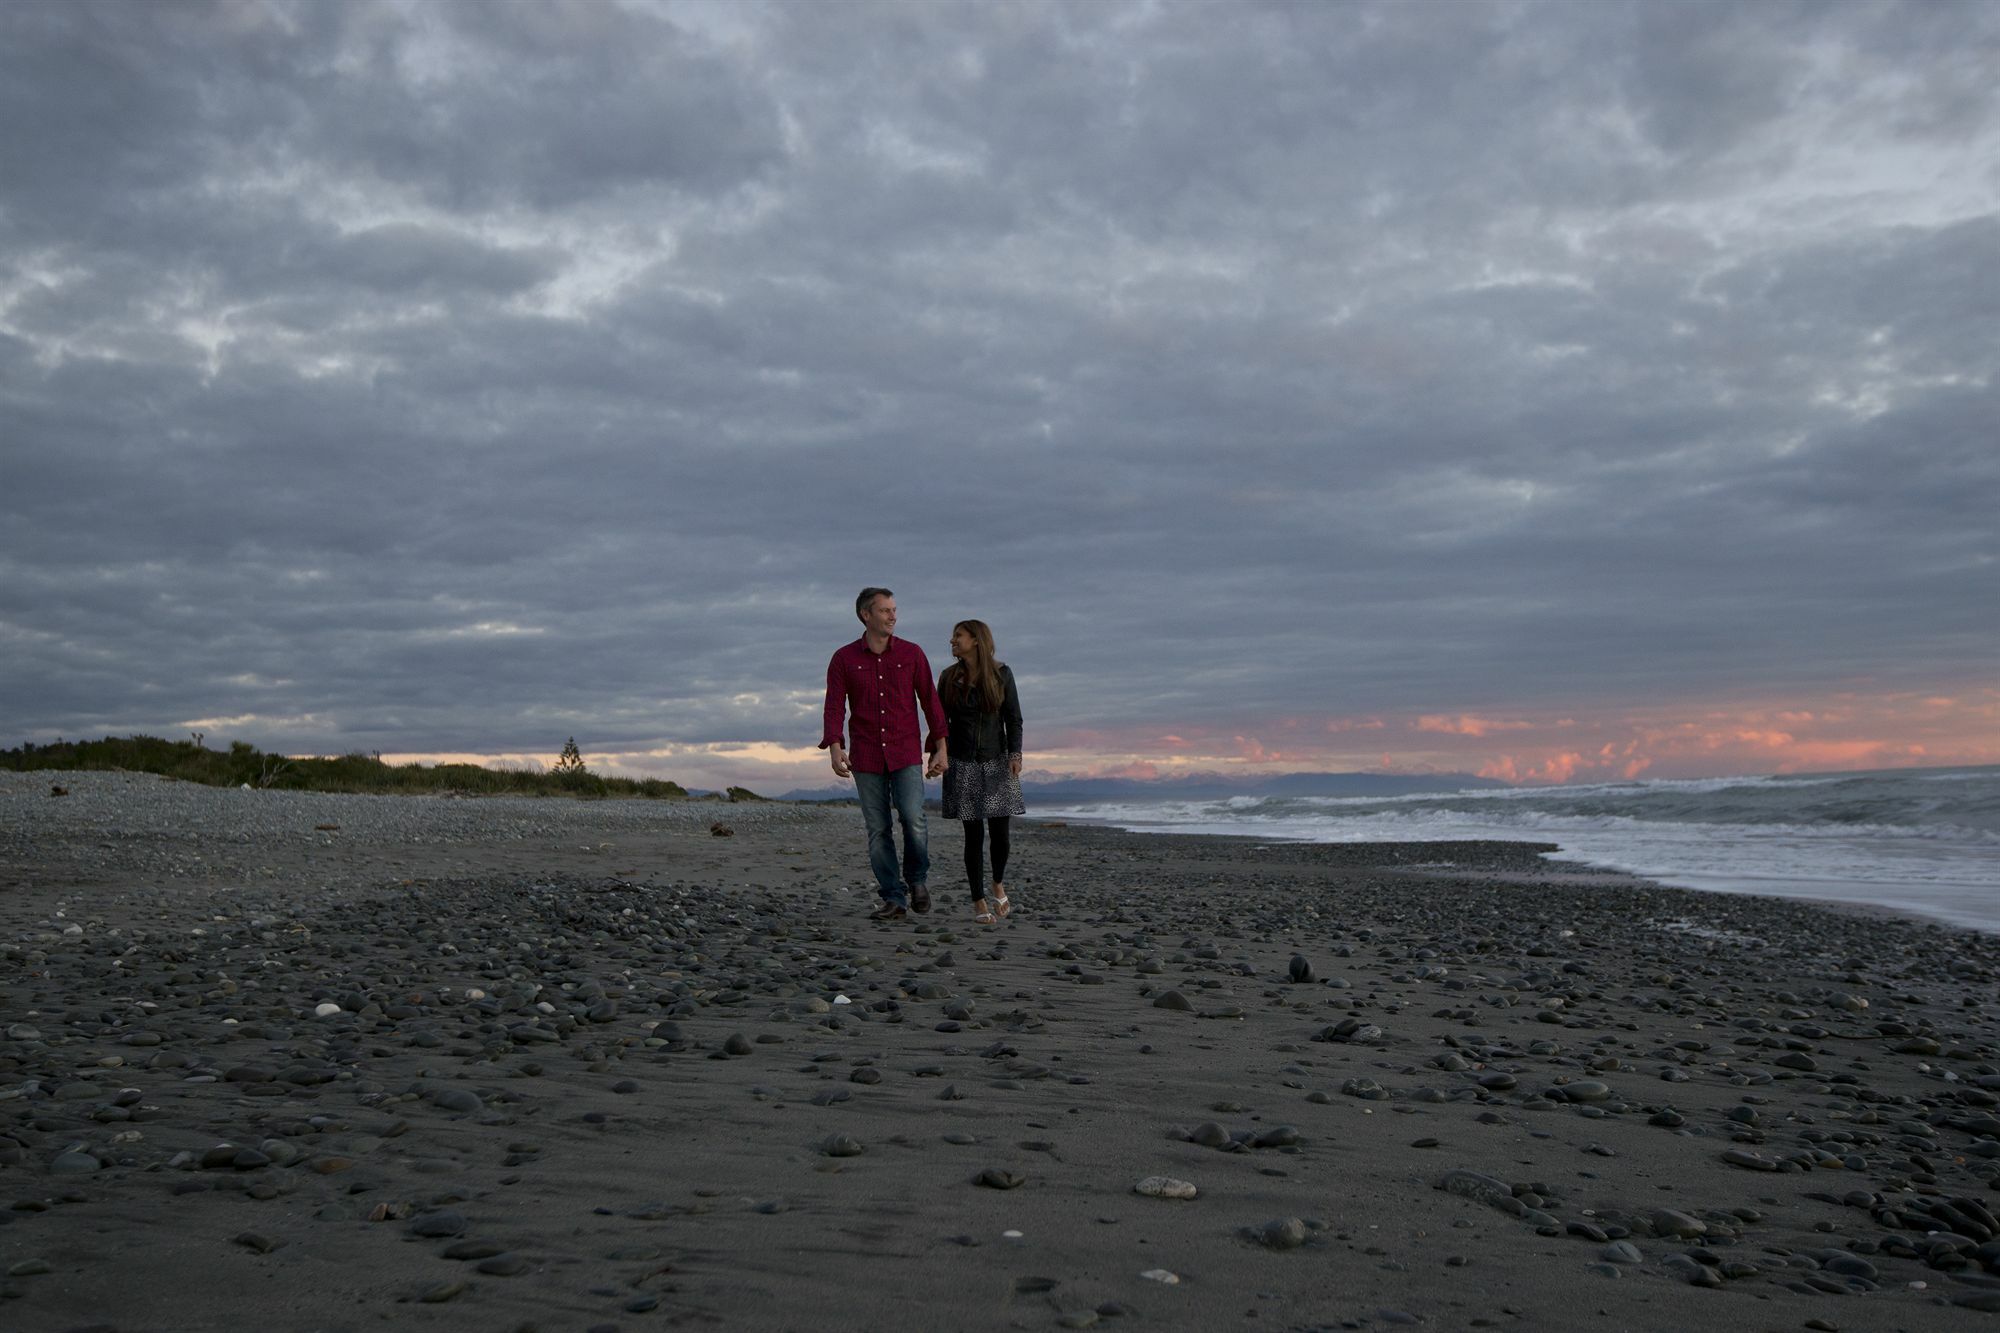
(119, 824)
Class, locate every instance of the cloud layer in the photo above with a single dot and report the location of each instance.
(458, 378)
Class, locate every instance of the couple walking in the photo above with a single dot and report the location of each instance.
(973, 715)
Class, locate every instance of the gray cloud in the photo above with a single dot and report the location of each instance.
(467, 377)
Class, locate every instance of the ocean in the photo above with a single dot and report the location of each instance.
(1923, 841)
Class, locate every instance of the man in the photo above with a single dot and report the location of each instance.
(879, 681)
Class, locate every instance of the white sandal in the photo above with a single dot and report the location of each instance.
(1002, 904)
(983, 912)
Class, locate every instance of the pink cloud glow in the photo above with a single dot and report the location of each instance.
(1835, 732)
(1470, 726)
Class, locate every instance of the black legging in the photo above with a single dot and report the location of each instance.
(975, 868)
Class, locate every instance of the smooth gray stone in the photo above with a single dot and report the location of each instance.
(504, 1265)
(1477, 1186)
(1283, 1233)
(444, 1222)
(1672, 1222)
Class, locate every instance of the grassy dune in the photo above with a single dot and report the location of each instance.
(243, 763)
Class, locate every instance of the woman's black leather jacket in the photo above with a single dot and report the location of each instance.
(973, 734)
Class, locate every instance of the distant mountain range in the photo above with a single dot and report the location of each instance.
(1206, 787)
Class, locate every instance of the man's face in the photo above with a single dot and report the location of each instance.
(880, 618)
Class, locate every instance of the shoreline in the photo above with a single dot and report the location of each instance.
(1612, 877)
(590, 1068)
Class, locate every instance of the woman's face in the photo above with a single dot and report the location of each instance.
(961, 643)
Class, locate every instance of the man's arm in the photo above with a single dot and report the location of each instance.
(927, 699)
(834, 720)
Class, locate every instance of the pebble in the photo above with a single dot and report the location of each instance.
(504, 1265)
(441, 1223)
(1475, 1185)
(473, 1249)
(1164, 1187)
(1282, 1233)
(1672, 1222)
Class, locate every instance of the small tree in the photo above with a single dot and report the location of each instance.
(571, 760)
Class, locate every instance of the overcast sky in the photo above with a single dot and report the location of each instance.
(1556, 391)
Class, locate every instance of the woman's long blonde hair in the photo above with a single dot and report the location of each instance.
(979, 670)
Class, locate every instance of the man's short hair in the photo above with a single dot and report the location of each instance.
(867, 599)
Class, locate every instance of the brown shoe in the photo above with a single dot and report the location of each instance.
(920, 898)
(888, 912)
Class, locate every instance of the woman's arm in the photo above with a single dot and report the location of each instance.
(1010, 716)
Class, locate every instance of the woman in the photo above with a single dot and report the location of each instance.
(983, 785)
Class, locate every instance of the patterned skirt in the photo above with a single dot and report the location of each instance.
(981, 789)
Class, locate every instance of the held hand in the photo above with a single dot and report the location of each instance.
(1014, 764)
(938, 764)
(841, 768)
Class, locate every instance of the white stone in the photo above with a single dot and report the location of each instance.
(1162, 1276)
(1164, 1187)
(326, 1010)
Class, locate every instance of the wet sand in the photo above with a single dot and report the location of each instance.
(617, 1071)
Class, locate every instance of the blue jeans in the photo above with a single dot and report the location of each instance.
(904, 789)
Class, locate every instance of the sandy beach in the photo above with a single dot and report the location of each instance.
(303, 1062)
